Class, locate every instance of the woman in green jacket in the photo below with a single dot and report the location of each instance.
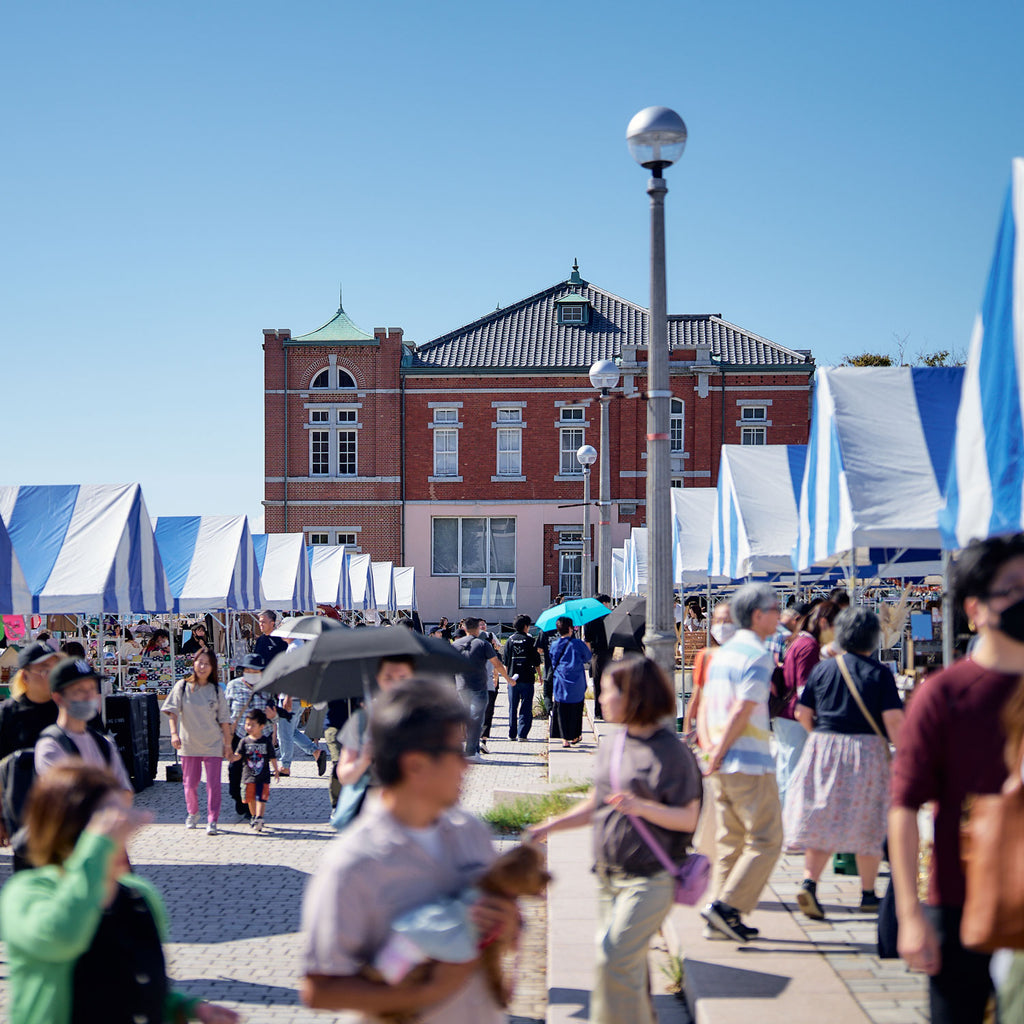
(83, 936)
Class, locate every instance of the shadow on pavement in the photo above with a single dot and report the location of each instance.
(219, 990)
(719, 981)
(220, 886)
(578, 997)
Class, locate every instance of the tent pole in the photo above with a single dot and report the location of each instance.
(947, 609)
(707, 619)
(853, 577)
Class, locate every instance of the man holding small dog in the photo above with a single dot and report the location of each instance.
(414, 847)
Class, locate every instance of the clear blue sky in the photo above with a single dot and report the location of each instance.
(178, 176)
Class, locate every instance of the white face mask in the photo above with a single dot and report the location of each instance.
(723, 632)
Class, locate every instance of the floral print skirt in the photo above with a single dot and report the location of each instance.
(838, 796)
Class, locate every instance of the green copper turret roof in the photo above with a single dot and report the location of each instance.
(339, 329)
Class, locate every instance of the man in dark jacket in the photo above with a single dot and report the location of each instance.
(522, 659)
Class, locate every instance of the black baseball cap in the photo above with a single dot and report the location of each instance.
(34, 653)
(69, 671)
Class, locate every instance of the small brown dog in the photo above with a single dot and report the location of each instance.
(519, 872)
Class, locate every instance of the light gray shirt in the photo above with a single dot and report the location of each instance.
(201, 711)
(377, 870)
(49, 752)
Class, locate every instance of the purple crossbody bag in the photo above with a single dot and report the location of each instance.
(693, 875)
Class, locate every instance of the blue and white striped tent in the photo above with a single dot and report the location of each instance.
(636, 561)
(405, 588)
(284, 571)
(693, 512)
(618, 574)
(880, 444)
(328, 566)
(211, 563)
(985, 487)
(384, 586)
(15, 598)
(361, 577)
(86, 548)
(755, 520)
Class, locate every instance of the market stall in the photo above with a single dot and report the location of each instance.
(384, 587)
(329, 571)
(405, 588)
(364, 599)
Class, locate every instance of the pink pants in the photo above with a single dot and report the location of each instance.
(191, 769)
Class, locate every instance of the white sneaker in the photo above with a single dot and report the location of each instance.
(257, 824)
(475, 759)
(211, 829)
(191, 821)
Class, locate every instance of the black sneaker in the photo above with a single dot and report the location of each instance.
(726, 919)
(321, 761)
(869, 901)
(807, 901)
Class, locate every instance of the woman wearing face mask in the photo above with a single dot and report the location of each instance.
(722, 629)
(83, 937)
(803, 652)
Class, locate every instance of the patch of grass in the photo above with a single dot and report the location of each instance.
(675, 973)
(515, 815)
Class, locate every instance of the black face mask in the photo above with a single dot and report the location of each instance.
(1011, 621)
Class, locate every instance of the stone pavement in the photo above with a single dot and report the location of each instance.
(798, 971)
(234, 899)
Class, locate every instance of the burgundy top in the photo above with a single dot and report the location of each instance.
(951, 745)
(801, 657)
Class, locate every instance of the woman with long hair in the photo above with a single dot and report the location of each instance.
(642, 772)
(201, 731)
(159, 642)
(839, 793)
(811, 632)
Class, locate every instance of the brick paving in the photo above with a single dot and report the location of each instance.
(234, 899)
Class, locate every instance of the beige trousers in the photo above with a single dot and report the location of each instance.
(748, 838)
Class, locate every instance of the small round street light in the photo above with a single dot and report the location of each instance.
(586, 456)
(604, 375)
(657, 138)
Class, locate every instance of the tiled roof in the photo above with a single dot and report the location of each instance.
(527, 335)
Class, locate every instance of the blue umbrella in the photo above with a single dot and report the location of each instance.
(581, 610)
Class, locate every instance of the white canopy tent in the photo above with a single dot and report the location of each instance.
(284, 571)
(405, 588)
(618, 574)
(693, 511)
(15, 598)
(329, 571)
(636, 561)
(384, 586)
(86, 548)
(211, 563)
(360, 575)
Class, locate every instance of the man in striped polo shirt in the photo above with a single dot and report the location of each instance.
(748, 837)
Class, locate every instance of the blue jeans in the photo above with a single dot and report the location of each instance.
(520, 710)
(476, 702)
(288, 737)
(790, 737)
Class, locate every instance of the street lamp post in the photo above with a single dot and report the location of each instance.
(586, 456)
(604, 375)
(657, 137)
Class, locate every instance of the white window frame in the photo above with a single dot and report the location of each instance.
(509, 441)
(446, 415)
(489, 580)
(569, 440)
(316, 535)
(570, 567)
(754, 413)
(754, 435)
(446, 456)
(347, 437)
(510, 415)
(319, 438)
(325, 375)
(677, 426)
(344, 379)
(320, 417)
(572, 313)
(572, 414)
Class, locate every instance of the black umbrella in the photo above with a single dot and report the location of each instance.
(342, 663)
(625, 626)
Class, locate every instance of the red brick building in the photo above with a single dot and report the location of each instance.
(455, 455)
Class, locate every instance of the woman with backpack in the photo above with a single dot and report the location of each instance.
(201, 731)
(522, 659)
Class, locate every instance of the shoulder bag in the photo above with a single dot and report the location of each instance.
(693, 875)
(993, 856)
(860, 704)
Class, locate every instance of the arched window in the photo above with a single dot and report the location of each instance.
(345, 379)
(321, 380)
(675, 425)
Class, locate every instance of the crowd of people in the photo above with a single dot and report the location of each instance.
(788, 745)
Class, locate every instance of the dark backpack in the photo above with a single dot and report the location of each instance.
(18, 772)
(521, 657)
(780, 695)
